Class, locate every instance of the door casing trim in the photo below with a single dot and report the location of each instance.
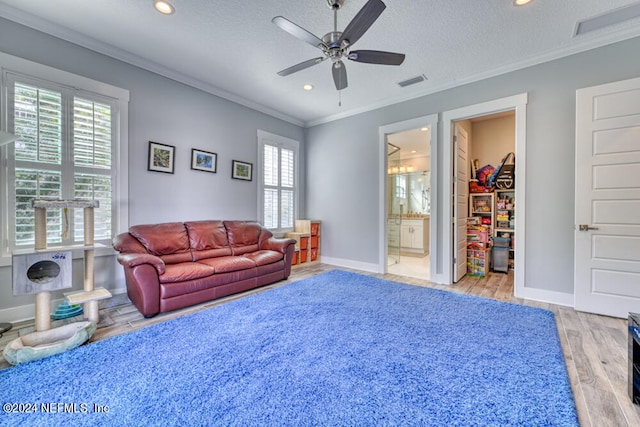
(518, 103)
(419, 122)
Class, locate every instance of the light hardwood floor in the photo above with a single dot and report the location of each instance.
(595, 347)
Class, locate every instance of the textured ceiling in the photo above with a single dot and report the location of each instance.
(232, 49)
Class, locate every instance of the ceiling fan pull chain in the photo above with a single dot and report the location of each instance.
(339, 98)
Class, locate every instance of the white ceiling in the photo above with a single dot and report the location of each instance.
(231, 48)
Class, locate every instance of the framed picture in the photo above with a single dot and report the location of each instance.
(204, 161)
(161, 157)
(241, 170)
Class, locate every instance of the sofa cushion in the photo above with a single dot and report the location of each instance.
(227, 264)
(208, 239)
(190, 287)
(185, 271)
(169, 241)
(264, 257)
(243, 236)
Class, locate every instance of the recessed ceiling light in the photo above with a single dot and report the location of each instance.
(307, 87)
(164, 7)
(521, 2)
(424, 129)
(413, 151)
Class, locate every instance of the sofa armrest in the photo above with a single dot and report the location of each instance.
(134, 260)
(285, 246)
(278, 245)
(143, 288)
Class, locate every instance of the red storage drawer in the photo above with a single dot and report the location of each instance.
(314, 241)
(315, 229)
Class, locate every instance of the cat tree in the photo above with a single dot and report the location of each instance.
(46, 341)
(90, 295)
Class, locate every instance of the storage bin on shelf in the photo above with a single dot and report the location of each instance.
(478, 247)
(302, 244)
(478, 260)
(307, 236)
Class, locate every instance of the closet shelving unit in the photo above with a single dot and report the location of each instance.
(505, 216)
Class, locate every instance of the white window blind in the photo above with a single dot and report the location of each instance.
(278, 190)
(64, 151)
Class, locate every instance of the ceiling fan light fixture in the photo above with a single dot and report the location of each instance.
(335, 45)
(307, 87)
(164, 7)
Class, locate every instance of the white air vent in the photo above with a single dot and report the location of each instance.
(412, 80)
(612, 17)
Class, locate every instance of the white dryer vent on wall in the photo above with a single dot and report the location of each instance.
(38, 272)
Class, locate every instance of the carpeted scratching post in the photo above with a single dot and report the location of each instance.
(43, 298)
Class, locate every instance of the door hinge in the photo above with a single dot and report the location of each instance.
(455, 261)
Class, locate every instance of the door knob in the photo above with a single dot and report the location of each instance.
(586, 227)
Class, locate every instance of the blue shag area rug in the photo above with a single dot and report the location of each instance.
(337, 349)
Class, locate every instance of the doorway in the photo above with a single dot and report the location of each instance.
(406, 198)
(485, 216)
(515, 103)
(409, 202)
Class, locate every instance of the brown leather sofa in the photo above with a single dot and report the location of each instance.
(175, 265)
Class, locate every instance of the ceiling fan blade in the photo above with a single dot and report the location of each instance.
(301, 66)
(376, 57)
(339, 72)
(362, 21)
(297, 31)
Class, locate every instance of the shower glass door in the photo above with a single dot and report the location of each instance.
(397, 200)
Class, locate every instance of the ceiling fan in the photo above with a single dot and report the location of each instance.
(336, 45)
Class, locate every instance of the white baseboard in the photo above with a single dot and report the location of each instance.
(27, 312)
(540, 295)
(544, 295)
(349, 263)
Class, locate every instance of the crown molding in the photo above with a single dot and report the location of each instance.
(579, 47)
(588, 43)
(95, 45)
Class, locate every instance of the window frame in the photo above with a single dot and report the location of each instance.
(266, 138)
(17, 69)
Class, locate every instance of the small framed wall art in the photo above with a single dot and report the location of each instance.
(241, 170)
(161, 157)
(204, 161)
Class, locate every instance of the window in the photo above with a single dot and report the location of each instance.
(401, 186)
(70, 140)
(278, 186)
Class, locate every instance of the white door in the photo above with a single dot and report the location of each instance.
(607, 212)
(460, 201)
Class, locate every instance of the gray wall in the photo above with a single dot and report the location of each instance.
(165, 111)
(346, 200)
